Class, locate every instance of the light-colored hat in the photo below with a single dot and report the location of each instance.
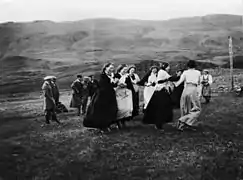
(48, 78)
(205, 70)
(86, 78)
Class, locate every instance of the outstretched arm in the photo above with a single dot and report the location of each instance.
(144, 79)
(210, 80)
(73, 86)
(181, 80)
(163, 76)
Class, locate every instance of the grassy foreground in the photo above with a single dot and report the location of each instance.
(30, 150)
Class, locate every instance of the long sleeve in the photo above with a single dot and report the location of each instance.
(162, 75)
(181, 80)
(210, 79)
(114, 79)
(137, 78)
(200, 79)
(74, 87)
(174, 78)
(47, 92)
(144, 79)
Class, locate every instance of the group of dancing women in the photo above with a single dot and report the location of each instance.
(116, 101)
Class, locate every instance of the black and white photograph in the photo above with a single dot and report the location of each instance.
(121, 90)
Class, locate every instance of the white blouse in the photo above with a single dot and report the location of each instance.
(152, 79)
(123, 78)
(209, 77)
(189, 76)
(162, 75)
(137, 79)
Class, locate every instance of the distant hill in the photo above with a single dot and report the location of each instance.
(28, 51)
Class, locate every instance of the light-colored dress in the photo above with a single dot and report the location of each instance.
(206, 81)
(190, 103)
(124, 99)
(149, 89)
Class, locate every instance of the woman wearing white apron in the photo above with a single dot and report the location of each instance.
(150, 85)
(123, 96)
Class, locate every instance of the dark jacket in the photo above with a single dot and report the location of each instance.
(55, 92)
(176, 94)
(93, 86)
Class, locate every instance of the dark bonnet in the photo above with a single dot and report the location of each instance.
(79, 76)
(164, 65)
(191, 64)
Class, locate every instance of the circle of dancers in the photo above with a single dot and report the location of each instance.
(114, 98)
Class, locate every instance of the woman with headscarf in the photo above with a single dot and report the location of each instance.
(190, 104)
(102, 111)
(123, 95)
(149, 85)
(160, 107)
(206, 81)
(135, 92)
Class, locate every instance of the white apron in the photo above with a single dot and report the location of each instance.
(149, 90)
(124, 100)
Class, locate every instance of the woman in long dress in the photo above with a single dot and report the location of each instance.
(102, 111)
(160, 107)
(190, 104)
(150, 85)
(135, 92)
(123, 96)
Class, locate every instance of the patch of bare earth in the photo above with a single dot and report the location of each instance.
(31, 150)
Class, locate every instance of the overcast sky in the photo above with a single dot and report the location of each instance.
(71, 10)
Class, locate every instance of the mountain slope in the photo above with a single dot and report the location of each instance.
(71, 47)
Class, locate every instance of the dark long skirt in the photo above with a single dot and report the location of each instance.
(159, 110)
(101, 112)
(135, 99)
(176, 96)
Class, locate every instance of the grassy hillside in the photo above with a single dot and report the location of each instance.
(31, 150)
(28, 51)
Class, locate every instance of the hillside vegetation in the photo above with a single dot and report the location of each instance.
(29, 51)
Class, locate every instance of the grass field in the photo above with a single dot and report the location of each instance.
(32, 150)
